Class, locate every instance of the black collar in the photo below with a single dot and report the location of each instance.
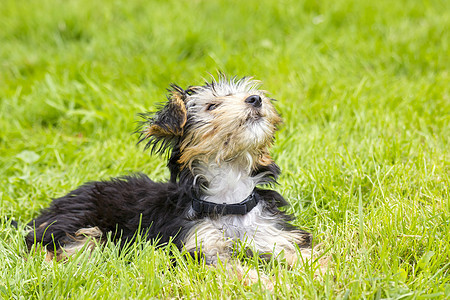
(205, 207)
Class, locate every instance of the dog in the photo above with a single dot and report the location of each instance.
(217, 139)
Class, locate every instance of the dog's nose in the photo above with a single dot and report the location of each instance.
(254, 100)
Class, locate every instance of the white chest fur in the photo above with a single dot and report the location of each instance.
(228, 183)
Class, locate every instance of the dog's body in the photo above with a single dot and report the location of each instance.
(218, 136)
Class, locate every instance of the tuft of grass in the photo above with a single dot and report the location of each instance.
(364, 149)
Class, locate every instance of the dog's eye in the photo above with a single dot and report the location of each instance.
(212, 106)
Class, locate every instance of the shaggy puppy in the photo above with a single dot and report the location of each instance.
(217, 137)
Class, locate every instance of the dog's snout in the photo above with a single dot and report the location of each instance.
(254, 100)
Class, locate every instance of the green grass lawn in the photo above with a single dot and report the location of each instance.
(364, 90)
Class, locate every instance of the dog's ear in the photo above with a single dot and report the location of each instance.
(164, 128)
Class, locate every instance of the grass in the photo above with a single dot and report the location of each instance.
(363, 87)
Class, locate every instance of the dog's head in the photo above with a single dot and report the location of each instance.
(225, 120)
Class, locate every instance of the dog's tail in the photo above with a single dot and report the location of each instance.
(12, 222)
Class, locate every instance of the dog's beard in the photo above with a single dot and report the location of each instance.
(258, 131)
(254, 117)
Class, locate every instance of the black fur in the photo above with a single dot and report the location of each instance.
(120, 206)
(125, 205)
